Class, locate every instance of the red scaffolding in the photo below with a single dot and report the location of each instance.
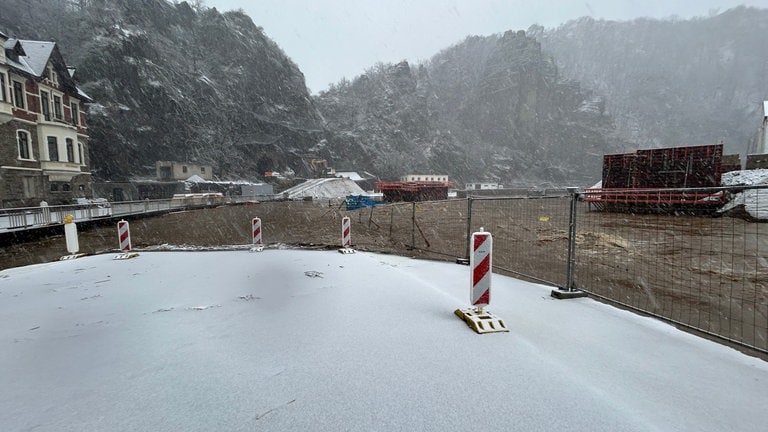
(661, 180)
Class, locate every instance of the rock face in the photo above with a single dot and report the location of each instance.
(672, 82)
(176, 83)
(489, 108)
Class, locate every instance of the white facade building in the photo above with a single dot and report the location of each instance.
(424, 177)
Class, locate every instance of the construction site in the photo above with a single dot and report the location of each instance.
(663, 180)
(398, 191)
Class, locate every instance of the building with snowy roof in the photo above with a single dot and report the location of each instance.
(43, 133)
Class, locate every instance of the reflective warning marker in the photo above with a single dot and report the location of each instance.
(258, 244)
(346, 235)
(346, 232)
(481, 264)
(124, 241)
(481, 270)
(124, 236)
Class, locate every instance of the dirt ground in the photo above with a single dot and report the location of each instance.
(290, 223)
(706, 272)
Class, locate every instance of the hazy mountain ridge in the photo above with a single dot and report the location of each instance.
(672, 82)
(181, 82)
(489, 108)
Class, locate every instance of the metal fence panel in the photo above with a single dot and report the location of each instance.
(530, 235)
(709, 273)
(439, 227)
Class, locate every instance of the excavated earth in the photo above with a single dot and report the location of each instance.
(703, 271)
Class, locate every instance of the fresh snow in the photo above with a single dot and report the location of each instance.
(324, 188)
(316, 340)
(753, 201)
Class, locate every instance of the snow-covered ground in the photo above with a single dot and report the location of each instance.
(317, 340)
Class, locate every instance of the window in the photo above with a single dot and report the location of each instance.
(202, 170)
(184, 169)
(51, 75)
(23, 139)
(54, 187)
(57, 107)
(53, 149)
(66, 187)
(18, 94)
(30, 186)
(45, 105)
(75, 113)
(70, 150)
(3, 97)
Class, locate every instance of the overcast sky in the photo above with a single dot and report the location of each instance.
(332, 39)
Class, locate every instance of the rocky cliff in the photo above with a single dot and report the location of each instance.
(176, 83)
(488, 108)
(672, 82)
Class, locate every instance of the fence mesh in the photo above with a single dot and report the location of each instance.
(705, 272)
(708, 273)
(530, 235)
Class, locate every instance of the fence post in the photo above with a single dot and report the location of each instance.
(574, 194)
(469, 225)
(413, 224)
(569, 291)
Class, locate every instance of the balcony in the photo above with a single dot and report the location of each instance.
(54, 124)
(60, 171)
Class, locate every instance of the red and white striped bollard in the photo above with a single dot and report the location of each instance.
(481, 269)
(346, 232)
(256, 225)
(124, 236)
(481, 265)
(258, 244)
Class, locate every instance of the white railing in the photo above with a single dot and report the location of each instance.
(37, 217)
(14, 219)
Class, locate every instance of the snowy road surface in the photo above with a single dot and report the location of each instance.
(316, 340)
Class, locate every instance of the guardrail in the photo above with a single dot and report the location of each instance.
(25, 218)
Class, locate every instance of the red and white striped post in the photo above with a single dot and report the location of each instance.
(481, 264)
(346, 232)
(481, 269)
(258, 244)
(256, 228)
(124, 236)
